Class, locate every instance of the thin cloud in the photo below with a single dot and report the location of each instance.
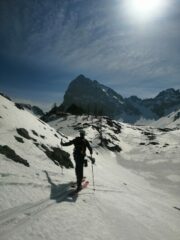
(95, 38)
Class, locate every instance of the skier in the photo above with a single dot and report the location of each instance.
(80, 145)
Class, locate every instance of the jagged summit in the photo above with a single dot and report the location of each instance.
(92, 97)
(169, 94)
(81, 77)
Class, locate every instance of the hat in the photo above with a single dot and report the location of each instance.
(82, 133)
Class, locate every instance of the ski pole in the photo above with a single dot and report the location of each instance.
(59, 163)
(93, 176)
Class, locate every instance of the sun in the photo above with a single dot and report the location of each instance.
(143, 10)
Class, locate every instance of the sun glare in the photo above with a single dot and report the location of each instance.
(143, 10)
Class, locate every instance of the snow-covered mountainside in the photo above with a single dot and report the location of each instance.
(171, 121)
(24, 137)
(33, 109)
(86, 96)
(141, 148)
(163, 104)
(23, 106)
(136, 178)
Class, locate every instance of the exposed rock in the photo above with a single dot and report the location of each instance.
(34, 132)
(4, 95)
(75, 110)
(19, 106)
(10, 153)
(59, 157)
(34, 109)
(42, 121)
(110, 145)
(56, 135)
(149, 135)
(24, 133)
(165, 129)
(177, 116)
(19, 139)
(153, 143)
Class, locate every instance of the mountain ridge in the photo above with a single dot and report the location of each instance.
(86, 96)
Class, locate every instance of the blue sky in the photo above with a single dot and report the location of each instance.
(45, 44)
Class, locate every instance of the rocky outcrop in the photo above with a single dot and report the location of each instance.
(10, 153)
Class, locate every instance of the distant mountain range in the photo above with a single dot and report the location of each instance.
(86, 96)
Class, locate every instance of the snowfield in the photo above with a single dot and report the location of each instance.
(137, 179)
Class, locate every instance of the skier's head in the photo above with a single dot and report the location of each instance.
(82, 133)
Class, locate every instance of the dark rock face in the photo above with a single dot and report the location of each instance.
(59, 157)
(19, 106)
(177, 116)
(53, 114)
(37, 111)
(164, 103)
(10, 153)
(19, 139)
(24, 133)
(4, 95)
(114, 147)
(34, 132)
(95, 98)
(34, 109)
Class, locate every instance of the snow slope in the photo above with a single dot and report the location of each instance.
(136, 181)
(33, 144)
(172, 120)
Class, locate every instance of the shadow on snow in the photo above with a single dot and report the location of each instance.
(61, 192)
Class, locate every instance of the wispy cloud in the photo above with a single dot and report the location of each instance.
(93, 37)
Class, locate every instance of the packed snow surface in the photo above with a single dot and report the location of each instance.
(136, 176)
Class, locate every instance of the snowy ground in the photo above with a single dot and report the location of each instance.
(137, 189)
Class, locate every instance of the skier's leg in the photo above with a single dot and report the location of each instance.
(79, 172)
(76, 167)
(76, 171)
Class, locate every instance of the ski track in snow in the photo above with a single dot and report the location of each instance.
(17, 217)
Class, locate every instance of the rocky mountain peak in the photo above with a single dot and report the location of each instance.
(92, 97)
(169, 93)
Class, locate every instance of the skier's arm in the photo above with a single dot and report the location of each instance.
(67, 143)
(89, 148)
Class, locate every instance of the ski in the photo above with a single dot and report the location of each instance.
(74, 184)
(84, 185)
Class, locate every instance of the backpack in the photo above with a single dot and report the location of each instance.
(80, 145)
